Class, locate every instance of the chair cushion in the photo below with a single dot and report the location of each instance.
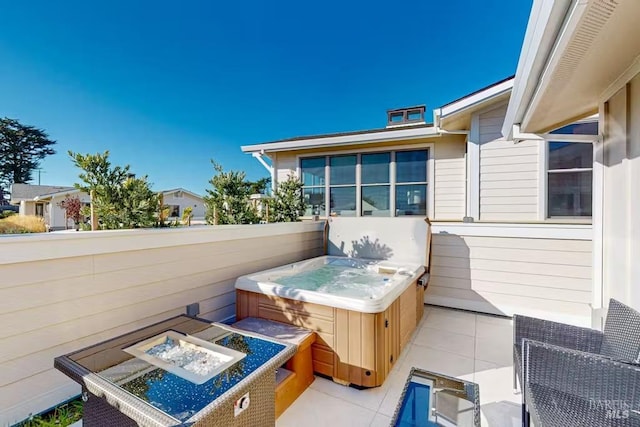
(621, 340)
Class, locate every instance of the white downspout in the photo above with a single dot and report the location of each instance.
(272, 173)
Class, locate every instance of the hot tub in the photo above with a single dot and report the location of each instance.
(363, 311)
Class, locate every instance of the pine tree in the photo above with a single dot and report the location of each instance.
(22, 147)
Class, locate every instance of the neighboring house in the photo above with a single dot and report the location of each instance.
(44, 200)
(55, 216)
(511, 222)
(578, 59)
(178, 199)
(27, 197)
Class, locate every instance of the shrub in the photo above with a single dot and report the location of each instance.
(187, 214)
(73, 209)
(287, 204)
(6, 213)
(227, 202)
(17, 224)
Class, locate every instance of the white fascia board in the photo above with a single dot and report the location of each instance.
(475, 99)
(57, 193)
(544, 24)
(562, 40)
(331, 141)
(192, 194)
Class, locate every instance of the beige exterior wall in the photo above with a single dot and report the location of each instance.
(543, 271)
(27, 208)
(62, 292)
(509, 173)
(450, 179)
(448, 154)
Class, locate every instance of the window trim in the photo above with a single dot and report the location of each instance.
(392, 174)
(543, 180)
(323, 186)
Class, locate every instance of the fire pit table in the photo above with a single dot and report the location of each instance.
(182, 371)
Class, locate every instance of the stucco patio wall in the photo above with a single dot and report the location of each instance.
(64, 291)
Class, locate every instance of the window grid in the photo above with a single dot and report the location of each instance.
(561, 171)
(392, 184)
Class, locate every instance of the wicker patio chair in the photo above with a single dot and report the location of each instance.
(572, 388)
(620, 339)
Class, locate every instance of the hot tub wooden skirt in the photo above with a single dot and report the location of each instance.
(351, 347)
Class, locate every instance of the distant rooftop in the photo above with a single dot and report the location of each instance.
(21, 192)
(402, 123)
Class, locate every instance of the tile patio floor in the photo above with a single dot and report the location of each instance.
(470, 346)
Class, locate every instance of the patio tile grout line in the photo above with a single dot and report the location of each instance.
(346, 400)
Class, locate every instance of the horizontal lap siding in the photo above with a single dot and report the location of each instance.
(508, 173)
(285, 165)
(56, 306)
(449, 185)
(507, 275)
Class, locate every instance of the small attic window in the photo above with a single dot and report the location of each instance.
(396, 118)
(409, 115)
(414, 115)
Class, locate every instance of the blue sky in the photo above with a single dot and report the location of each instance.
(167, 86)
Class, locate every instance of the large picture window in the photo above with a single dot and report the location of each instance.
(569, 179)
(392, 183)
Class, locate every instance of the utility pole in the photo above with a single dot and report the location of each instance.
(39, 173)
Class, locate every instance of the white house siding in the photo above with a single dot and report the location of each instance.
(543, 271)
(55, 216)
(196, 203)
(286, 165)
(63, 292)
(617, 168)
(509, 173)
(27, 208)
(450, 179)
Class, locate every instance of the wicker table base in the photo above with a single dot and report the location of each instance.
(109, 403)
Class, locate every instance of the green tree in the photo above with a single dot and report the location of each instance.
(227, 202)
(137, 204)
(22, 147)
(120, 200)
(259, 187)
(287, 204)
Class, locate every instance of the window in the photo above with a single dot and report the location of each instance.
(313, 181)
(569, 179)
(342, 185)
(375, 184)
(410, 115)
(569, 172)
(383, 190)
(174, 210)
(39, 209)
(411, 182)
